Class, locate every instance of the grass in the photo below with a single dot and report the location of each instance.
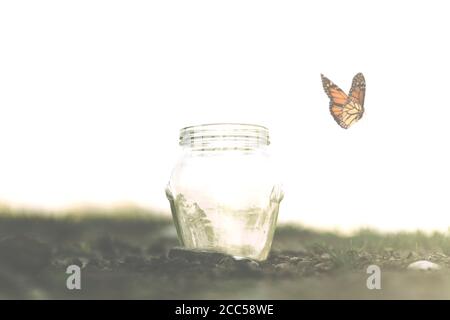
(124, 254)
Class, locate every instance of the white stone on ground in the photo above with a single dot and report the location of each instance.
(424, 265)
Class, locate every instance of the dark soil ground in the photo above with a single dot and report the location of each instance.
(132, 254)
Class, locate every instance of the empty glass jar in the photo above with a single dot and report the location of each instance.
(223, 192)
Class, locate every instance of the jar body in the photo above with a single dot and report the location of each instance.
(226, 200)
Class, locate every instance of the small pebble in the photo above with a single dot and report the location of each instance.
(295, 259)
(249, 265)
(282, 266)
(326, 256)
(424, 265)
(324, 266)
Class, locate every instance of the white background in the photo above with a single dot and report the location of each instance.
(93, 93)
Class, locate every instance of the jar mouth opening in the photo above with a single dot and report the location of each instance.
(225, 124)
(229, 135)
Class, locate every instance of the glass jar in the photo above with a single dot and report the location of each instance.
(223, 192)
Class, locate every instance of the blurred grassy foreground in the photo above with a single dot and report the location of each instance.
(124, 254)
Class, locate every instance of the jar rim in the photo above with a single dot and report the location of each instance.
(232, 134)
(234, 124)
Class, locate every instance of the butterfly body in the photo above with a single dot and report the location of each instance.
(346, 109)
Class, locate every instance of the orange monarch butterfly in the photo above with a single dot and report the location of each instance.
(346, 110)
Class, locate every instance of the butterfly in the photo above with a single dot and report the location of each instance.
(346, 109)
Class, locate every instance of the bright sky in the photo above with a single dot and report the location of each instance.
(93, 93)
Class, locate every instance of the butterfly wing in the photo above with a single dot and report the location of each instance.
(358, 90)
(346, 109)
(338, 99)
(352, 112)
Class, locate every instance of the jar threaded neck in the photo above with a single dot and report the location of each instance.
(220, 136)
